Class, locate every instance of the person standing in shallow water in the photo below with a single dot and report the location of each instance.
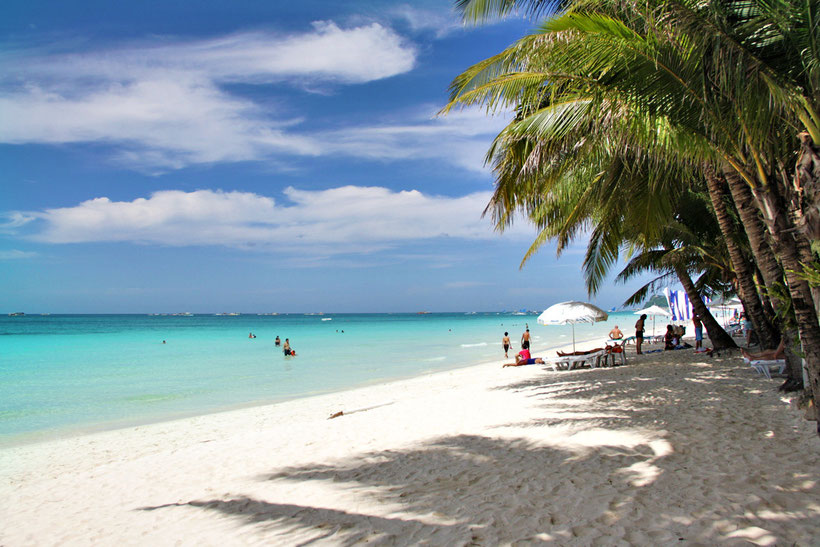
(505, 342)
(525, 339)
(639, 334)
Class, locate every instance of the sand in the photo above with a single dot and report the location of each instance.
(672, 449)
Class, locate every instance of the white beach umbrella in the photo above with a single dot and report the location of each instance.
(652, 311)
(724, 306)
(570, 313)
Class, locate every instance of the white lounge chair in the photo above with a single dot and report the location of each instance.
(621, 351)
(762, 366)
(557, 363)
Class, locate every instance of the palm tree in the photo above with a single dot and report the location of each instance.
(728, 84)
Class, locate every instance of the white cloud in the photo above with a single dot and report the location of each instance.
(465, 284)
(163, 107)
(347, 219)
(327, 53)
(165, 123)
(15, 254)
(460, 138)
(15, 219)
(442, 23)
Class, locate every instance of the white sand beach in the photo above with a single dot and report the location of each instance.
(674, 448)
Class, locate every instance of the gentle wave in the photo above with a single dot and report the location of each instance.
(474, 345)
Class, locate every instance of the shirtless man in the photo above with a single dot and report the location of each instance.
(698, 324)
(525, 340)
(616, 334)
(287, 350)
(506, 343)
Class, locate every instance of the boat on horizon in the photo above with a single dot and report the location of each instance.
(16, 314)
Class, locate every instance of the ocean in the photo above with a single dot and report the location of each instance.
(69, 374)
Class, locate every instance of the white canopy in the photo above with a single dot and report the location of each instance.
(654, 310)
(570, 313)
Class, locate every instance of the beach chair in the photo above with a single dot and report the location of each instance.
(616, 349)
(557, 363)
(763, 366)
(591, 360)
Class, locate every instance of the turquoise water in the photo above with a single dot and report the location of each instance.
(68, 373)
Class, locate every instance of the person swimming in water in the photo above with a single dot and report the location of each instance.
(287, 349)
(277, 342)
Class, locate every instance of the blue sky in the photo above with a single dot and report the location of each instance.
(254, 156)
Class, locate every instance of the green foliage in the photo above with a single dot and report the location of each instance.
(811, 273)
(619, 105)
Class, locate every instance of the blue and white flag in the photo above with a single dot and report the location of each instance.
(679, 305)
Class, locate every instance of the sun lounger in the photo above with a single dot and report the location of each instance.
(557, 363)
(592, 360)
(570, 362)
(618, 348)
(762, 366)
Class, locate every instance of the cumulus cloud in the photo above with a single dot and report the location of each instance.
(347, 219)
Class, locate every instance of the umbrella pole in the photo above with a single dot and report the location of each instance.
(573, 338)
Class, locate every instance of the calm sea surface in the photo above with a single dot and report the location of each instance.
(62, 374)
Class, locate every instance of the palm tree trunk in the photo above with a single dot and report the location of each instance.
(784, 235)
(805, 189)
(765, 258)
(755, 228)
(719, 337)
(744, 271)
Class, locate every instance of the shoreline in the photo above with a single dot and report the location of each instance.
(673, 445)
(55, 434)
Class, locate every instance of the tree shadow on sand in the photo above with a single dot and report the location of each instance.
(619, 462)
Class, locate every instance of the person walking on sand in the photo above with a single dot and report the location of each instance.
(525, 339)
(506, 343)
(698, 330)
(639, 334)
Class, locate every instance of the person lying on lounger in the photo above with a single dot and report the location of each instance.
(523, 358)
(767, 354)
(571, 353)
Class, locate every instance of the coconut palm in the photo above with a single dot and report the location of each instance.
(726, 84)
